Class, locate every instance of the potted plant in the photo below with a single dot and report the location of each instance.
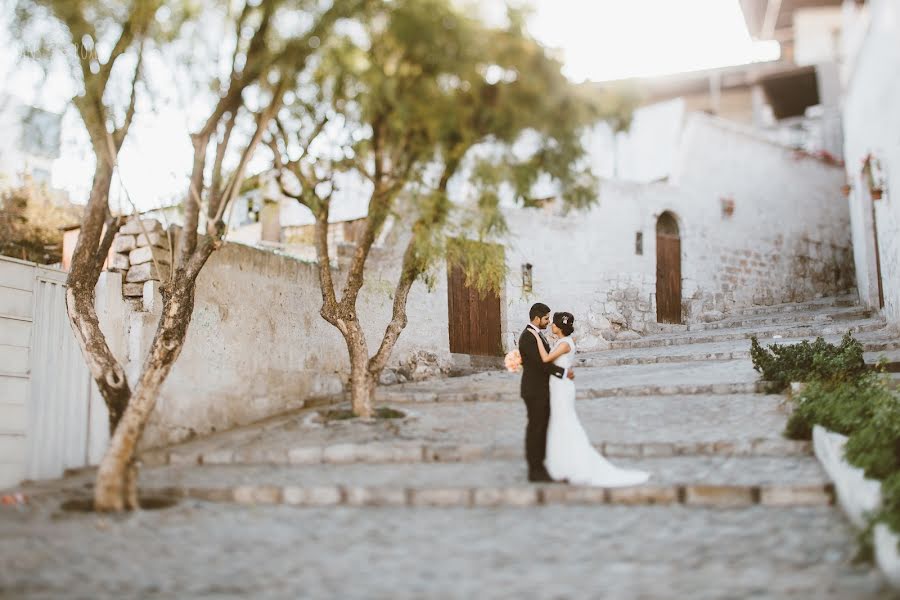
(845, 190)
(873, 175)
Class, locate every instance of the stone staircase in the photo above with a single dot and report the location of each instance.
(728, 492)
(686, 406)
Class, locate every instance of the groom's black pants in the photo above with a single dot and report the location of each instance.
(538, 407)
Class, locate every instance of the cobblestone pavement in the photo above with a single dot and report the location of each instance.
(200, 550)
(436, 505)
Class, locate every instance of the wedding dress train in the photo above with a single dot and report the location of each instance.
(570, 454)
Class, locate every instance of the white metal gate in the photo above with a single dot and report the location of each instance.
(62, 418)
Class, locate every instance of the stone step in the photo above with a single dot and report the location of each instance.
(874, 350)
(706, 481)
(847, 300)
(799, 317)
(750, 424)
(418, 452)
(796, 331)
(511, 394)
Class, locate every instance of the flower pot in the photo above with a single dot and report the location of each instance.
(876, 194)
(845, 190)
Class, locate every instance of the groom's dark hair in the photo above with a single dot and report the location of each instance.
(538, 310)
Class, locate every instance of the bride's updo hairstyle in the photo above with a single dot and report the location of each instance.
(565, 321)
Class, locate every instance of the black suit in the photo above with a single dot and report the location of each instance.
(536, 394)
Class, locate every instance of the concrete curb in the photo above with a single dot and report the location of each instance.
(379, 452)
(701, 496)
(858, 497)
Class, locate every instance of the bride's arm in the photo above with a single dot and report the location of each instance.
(548, 357)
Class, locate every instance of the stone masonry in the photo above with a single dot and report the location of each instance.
(142, 254)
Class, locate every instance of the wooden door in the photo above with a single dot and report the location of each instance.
(474, 318)
(668, 270)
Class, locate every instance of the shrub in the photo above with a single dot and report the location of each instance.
(819, 360)
(843, 406)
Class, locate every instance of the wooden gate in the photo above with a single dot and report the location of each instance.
(474, 318)
(668, 270)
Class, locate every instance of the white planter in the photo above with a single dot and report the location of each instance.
(886, 554)
(856, 494)
(858, 497)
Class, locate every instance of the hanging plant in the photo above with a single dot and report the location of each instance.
(874, 176)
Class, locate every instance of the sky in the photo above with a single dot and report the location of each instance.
(599, 40)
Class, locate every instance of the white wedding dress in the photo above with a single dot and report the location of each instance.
(570, 455)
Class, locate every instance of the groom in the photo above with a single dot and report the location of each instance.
(536, 391)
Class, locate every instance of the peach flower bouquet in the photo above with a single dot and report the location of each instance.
(513, 361)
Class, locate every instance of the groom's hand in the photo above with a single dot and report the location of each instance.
(571, 374)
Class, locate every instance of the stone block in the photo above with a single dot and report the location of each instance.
(146, 254)
(631, 294)
(209, 494)
(312, 496)
(457, 453)
(724, 496)
(645, 494)
(257, 494)
(263, 456)
(305, 455)
(441, 497)
(154, 458)
(146, 272)
(510, 496)
(119, 262)
(657, 449)
(622, 450)
(157, 239)
(133, 290)
(796, 495)
(124, 243)
(342, 453)
(373, 496)
(565, 494)
(222, 456)
(184, 458)
(135, 226)
(407, 453)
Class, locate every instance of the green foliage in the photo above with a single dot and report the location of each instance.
(843, 406)
(843, 395)
(780, 365)
(30, 225)
(484, 264)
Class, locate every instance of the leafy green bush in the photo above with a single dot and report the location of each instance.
(816, 361)
(844, 407)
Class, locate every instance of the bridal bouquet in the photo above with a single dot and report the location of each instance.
(513, 361)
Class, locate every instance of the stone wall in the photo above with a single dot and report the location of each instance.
(872, 126)
(786, 239)
(256, 345)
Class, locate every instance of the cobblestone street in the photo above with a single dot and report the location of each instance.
(436, 504)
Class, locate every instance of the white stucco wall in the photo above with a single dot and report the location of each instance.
(256, 345)
(787, 240)
(872, 125)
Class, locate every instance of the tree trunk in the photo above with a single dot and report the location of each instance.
(362, 386)
(115, 488)
(80, 284)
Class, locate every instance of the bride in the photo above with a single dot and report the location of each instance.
(570, 455)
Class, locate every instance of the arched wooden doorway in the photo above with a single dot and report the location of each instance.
(668, 269)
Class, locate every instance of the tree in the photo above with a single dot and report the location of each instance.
(263, 63)
(31, 225)
(427, 85)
